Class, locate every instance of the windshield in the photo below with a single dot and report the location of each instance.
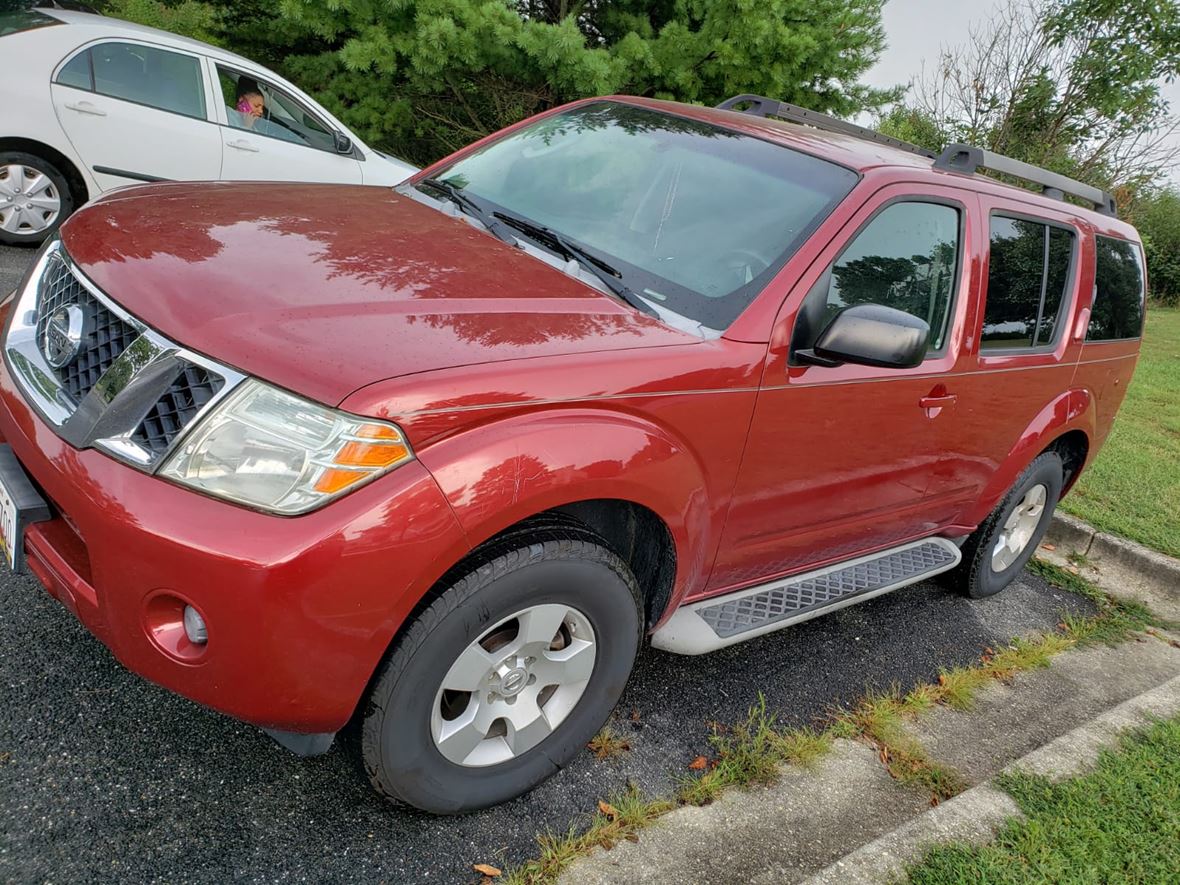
(695, 218)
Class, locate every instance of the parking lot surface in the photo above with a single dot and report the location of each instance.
(105, 777)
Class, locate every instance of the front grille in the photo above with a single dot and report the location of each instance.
(188, 394)
(106, 336)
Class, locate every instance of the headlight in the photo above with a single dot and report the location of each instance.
(266, 448)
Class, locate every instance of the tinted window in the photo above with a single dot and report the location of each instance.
(1119, 291)
(906, 258)
(23, 20)
(696, 218)
(1027, 281)
(77, 72)
(165, 80)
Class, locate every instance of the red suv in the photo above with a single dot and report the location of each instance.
(441, 457)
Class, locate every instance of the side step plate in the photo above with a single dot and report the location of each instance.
(726, 620)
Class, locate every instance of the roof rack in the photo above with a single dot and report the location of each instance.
(761, 106)
(965, 159)
(961, 158)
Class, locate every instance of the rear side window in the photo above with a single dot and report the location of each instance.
(1118, 291)
(157, 78)
(905, 258)
(77, 72)
(1027, 282)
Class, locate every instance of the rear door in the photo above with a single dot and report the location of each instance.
(289, 142)
(136, 112)
(1024, 350)
(839, 460)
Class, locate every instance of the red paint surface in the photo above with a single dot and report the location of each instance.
(520, 389)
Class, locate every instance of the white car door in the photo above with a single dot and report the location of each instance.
(287, 143)
(136, 112)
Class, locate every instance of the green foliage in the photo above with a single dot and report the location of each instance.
(421, 78)
(190, 18)
(1119, 823)
(1157, 216)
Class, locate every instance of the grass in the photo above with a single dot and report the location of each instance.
(754, 751)
(608, 743)
(1133, 487)
(1120, 823)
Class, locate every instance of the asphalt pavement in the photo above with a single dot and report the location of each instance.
(105, 777)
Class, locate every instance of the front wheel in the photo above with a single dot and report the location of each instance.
(504, 677)
(994, 553)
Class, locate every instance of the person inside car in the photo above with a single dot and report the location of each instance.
(249, 103)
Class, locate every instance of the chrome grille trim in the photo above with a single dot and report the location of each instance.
(110, 412)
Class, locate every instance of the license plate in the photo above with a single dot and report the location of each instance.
(20, 504)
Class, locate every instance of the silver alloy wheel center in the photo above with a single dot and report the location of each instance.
(29, 200)
(513, 686)
(1019, 528)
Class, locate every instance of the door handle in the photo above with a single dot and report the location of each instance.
(85, 107)
(241, 145)
(937, 401)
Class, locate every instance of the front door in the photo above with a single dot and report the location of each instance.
(840, 460)
(269, 136)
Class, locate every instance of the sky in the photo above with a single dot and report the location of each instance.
(917, 29)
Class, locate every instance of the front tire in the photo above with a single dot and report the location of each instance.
(504, 677)
(35, 198)
(996, 552)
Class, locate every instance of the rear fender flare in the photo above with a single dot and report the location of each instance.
(1071, 410)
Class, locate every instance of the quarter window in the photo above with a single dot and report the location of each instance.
(157, 78)
(77, 72)
(906, 258)
(1028, 276)
(1118, 291)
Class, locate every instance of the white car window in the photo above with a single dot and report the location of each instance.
(169, 81)
(282, 117)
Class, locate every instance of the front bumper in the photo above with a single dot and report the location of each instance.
(300, 610)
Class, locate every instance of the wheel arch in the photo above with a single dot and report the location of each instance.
(1065, 424)
(79, 190)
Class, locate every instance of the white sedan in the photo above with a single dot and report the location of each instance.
(93, 103)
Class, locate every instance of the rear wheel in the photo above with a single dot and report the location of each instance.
(995, 553)
(35, 198)
(504, 677)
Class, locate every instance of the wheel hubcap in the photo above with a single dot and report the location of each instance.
(1019, 528)
(512, 687)
(29, 200)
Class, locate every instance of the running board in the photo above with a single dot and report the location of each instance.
(727, 620)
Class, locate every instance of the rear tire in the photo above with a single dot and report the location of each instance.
(996, 552)
(452, 721)
(35, 198)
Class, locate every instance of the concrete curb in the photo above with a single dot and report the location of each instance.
(978, 813)
(1118, 566)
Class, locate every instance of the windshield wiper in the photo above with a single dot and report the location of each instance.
(603, 271)
(469, 205)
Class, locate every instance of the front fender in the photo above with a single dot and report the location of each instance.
(499, 474)
(1071, 410)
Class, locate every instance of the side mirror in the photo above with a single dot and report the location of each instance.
(871, 335)
(343, 143)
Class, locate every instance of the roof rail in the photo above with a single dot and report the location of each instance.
(761, 106)
(961, 158)
(965, 159)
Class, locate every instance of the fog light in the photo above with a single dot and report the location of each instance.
(194, 626)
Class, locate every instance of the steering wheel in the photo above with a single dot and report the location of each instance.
(746, 264)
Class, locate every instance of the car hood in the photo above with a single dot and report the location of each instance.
(323, 289)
